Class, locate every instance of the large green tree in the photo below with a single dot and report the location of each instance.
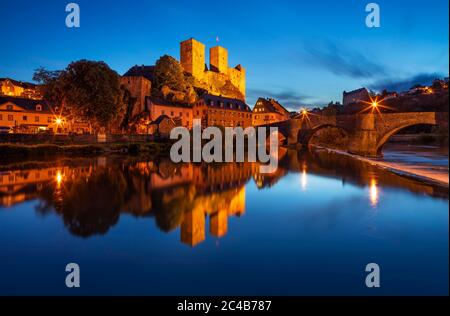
(85, 89)
(168, 72)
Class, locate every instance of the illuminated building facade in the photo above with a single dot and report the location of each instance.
(268, 111)
(220, 111)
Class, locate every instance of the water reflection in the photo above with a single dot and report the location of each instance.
(304, 177)
(373, 192)
(91, 194)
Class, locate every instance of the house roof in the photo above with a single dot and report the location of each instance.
(147, 72)
(217, 100)
(25, 85)
(28, 104)
(355, 91)
(160, 119)
(272, 105)
(160, 101)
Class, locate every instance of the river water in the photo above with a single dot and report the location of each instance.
(156, 228)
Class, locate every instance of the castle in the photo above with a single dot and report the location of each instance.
(219, 79)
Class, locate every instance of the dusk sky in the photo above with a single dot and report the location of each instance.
(299, 52)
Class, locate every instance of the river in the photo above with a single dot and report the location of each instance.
(156, 228)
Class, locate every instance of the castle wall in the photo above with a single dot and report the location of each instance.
(139, 87)
(237, 78)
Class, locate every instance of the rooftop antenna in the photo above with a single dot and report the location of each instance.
(217, 39)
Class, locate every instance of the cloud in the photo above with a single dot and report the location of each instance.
(403, 84)
(289, 99)
(342, 61)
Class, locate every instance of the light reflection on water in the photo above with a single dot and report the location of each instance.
(163, 228)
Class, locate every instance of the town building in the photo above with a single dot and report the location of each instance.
(22, 115)
(219, 79)
(221, 111)
(180, 113)
(162, 126)
(268, 111)
(355, 96)
(14, 88)
(138, 80)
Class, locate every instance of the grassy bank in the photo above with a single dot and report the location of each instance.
(13, 151)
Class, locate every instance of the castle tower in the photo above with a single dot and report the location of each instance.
(218, 59)
(192, 57)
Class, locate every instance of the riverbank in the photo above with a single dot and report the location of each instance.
(435, 175)
(25, 151)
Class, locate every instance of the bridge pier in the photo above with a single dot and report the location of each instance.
(363, 143)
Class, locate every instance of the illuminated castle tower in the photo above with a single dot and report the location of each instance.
(192, 59)
(218, 59)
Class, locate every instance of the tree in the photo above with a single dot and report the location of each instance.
(168, 72)
(89, 90)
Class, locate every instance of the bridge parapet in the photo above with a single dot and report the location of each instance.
(367, 132)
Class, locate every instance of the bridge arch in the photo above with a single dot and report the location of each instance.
(385, 137)
(304, 136)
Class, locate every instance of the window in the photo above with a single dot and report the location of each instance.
(9, 107)
(38, 107)
(181, 114)
(171, 113)
(162, 112)
(49, 119)
(10, 118)
(36, 118)
(1, 117)
(25, 117)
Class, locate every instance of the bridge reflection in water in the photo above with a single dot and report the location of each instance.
(91, 194)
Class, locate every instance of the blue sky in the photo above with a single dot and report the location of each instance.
(300, 52)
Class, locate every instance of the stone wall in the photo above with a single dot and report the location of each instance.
(139, 88)
(69, 139)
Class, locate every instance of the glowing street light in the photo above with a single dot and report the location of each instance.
(59, 178)
(58, 121)
(374, 104)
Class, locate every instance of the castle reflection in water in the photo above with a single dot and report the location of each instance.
(90, 194)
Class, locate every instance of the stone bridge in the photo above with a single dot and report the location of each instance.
(367, 133)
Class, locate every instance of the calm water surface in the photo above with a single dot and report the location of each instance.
(153, 227)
